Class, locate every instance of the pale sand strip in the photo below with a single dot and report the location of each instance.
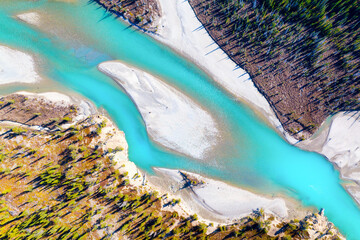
(342, 145)
(16, 67)
(180, 29)
(172, 119)
(227, 201)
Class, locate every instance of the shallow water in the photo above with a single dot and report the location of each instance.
(81, 35)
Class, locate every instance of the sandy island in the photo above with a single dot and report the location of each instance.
(172, 119)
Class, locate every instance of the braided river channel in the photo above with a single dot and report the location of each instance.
(251, 155)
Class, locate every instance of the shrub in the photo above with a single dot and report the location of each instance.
(175, 215)
(18, 130)
(194, 217)
(66, 119)
(222, 228)
(6, 191)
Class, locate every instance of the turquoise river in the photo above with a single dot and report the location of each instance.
(256, 157)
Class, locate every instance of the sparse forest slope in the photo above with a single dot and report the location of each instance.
(302, 55)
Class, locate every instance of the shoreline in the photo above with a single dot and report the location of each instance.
(61, 101)
(111, 137)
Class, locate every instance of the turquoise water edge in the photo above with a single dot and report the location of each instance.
(257, 158)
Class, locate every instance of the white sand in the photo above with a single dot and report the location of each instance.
(180, 29)
(228, 201)
(16, 67)
(172, 119)
(32, 18)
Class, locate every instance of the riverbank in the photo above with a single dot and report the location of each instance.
(85, 164)
(200, 194)
(210, 195)
(16, 108)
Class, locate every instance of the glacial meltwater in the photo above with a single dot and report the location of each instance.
(81, 35)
